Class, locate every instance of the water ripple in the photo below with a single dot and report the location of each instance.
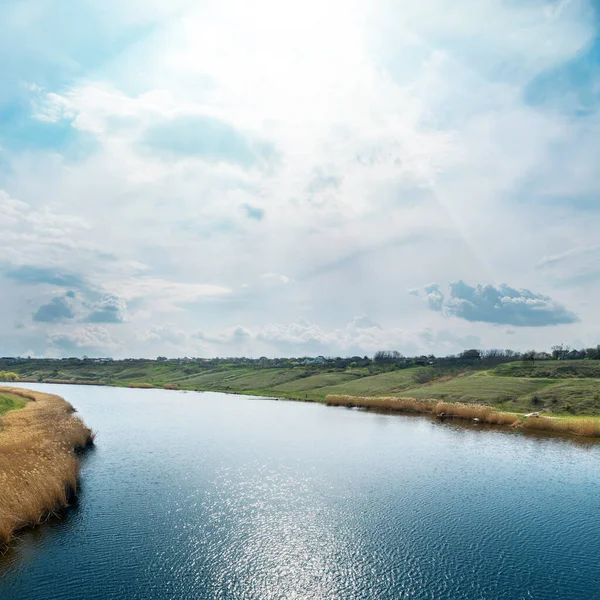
(206, 496)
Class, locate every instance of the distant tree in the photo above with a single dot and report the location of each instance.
(161, 359)
(8, 376)
(593, 353)
(560, 351)
(471, 355)
(386, 357)
(528, 357)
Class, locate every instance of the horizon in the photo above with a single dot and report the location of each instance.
(298, 179)
(557, 352)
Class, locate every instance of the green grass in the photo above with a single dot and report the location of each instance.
(386, 383)
(480, 387)
(314, 383)
(10, 402)
(553, 369)
(572, 396)
(562, 387)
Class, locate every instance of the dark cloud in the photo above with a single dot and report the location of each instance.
(58, 309)
(500, 305)
(32, 275)
(253, 212)
(110, 309)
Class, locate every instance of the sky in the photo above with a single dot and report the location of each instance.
(286, 178)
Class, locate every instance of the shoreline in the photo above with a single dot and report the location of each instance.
(583, 427)
(39, 468)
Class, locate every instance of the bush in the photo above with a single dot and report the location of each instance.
(424, 376)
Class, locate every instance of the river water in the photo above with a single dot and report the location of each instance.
(205, 495)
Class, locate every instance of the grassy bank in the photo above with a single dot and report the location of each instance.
(38, 465)
(557, 387)
(10, 402)
(582, 426)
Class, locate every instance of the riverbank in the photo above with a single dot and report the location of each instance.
(553, 387)
(38, 463)
(581, 426)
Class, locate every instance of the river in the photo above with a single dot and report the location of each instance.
(206, 495)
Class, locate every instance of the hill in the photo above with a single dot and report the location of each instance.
(561, 387)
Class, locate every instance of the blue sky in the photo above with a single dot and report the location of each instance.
(290, 178)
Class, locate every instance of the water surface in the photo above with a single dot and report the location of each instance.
(193, 496)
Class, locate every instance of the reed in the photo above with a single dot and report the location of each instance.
(582, 426)
(38, 465)
(142, 386)
(464, 411)
(504, 418)
(74, 381)
(171, 386)
(384, 403)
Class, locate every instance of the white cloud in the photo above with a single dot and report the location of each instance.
(92, 339)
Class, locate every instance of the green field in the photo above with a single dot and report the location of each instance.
(562, 387)
(480, 386)
(10, 402)
(386, 383)
(561, 369)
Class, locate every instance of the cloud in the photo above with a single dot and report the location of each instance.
(253, 212)
(434, 297)
(110, 309)
(58, 309)
(574, 267)
(168, 333)
(91, 339)
(363, 323)
(164, 295)
(500, 305)
(567, 255)
(34, 275)
(322, 181)
(234, 336)
(206, 137)
(360, 335)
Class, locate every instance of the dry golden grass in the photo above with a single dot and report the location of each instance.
(584, 426)
(73, 381)
(464, 411)
(142, 386)
(504, 418)
(385, 403)
(38, 466)
(171, 386)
